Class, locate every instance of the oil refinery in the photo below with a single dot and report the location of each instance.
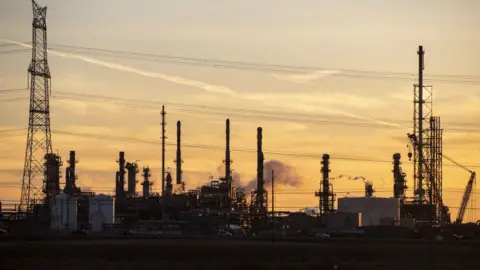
(222, 207)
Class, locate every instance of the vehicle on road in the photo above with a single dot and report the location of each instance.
(322, 235)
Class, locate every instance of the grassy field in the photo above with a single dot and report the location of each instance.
(222, 254)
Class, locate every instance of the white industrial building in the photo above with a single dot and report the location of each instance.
(64, 213)
(373, 210)
(101, 212)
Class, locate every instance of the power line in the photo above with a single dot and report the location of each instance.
(252, 114)
(14, 51)
(6, 91)
(242, 113)
(216, 110)
(214, 147)
(84, 49)
(361, 74)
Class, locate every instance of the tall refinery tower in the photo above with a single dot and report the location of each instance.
(39, 141)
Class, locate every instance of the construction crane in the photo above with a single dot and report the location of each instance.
(467, 193)
(443, 214)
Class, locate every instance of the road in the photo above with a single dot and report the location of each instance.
(135, 254)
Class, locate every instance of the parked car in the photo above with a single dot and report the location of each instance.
(322, 235)
(223, 233)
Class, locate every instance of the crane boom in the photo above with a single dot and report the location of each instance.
(465, 198)
(456, 163)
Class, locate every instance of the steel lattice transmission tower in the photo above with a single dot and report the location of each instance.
(39, 141)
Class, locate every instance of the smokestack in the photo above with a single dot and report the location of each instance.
(120, 176)
(121, 169)
(132, 170)
(399, 178)
(260, 160)
(369, 189)
(72, 161)
(325, 182)
(168, 185)
(70, 176)
(228, 172)
(179, 154)
(146, 182)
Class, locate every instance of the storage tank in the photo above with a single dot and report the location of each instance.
(64, 213)
(101, 211)
(373, 209)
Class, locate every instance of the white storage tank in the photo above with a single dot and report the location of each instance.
(373, 209)
(64, 213)
(101, 211)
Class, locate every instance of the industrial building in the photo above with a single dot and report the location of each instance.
(220, 205)
(372, 209)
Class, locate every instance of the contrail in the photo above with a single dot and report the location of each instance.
(183, 81)
(361, 117)
(174, 79)
(306, 78)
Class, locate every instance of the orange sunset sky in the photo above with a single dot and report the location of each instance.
(335, 36)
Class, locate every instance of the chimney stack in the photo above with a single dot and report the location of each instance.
(120, 187)
(228, 172)
(260, 160)
(325, 183)
(179, 154)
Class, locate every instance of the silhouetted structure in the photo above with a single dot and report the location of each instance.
(132, 170)
(52, 178)
(259, 200)
(228, 161)
(427, 143)
(71, 176)
(147, 185)
(164, 124)
(369, 189)
(179, 160)
(120, 195)
(168, 186)
(326, 195)
(39, 141)
(399, 178)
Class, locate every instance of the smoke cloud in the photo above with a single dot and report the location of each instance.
(284, 174)
(235, 175)
(348, 177)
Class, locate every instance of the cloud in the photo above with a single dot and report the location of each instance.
(306, 78)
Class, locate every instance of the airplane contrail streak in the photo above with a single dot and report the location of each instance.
(183, 81)
(174, 79)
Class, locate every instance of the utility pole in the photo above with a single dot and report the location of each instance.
(163, 149)
(273, 207)
(163, 165)
(421, 53)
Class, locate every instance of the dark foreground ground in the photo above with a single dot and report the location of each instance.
(175, 254)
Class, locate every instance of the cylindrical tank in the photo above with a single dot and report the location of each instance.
(64, 213)
(101, 211)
